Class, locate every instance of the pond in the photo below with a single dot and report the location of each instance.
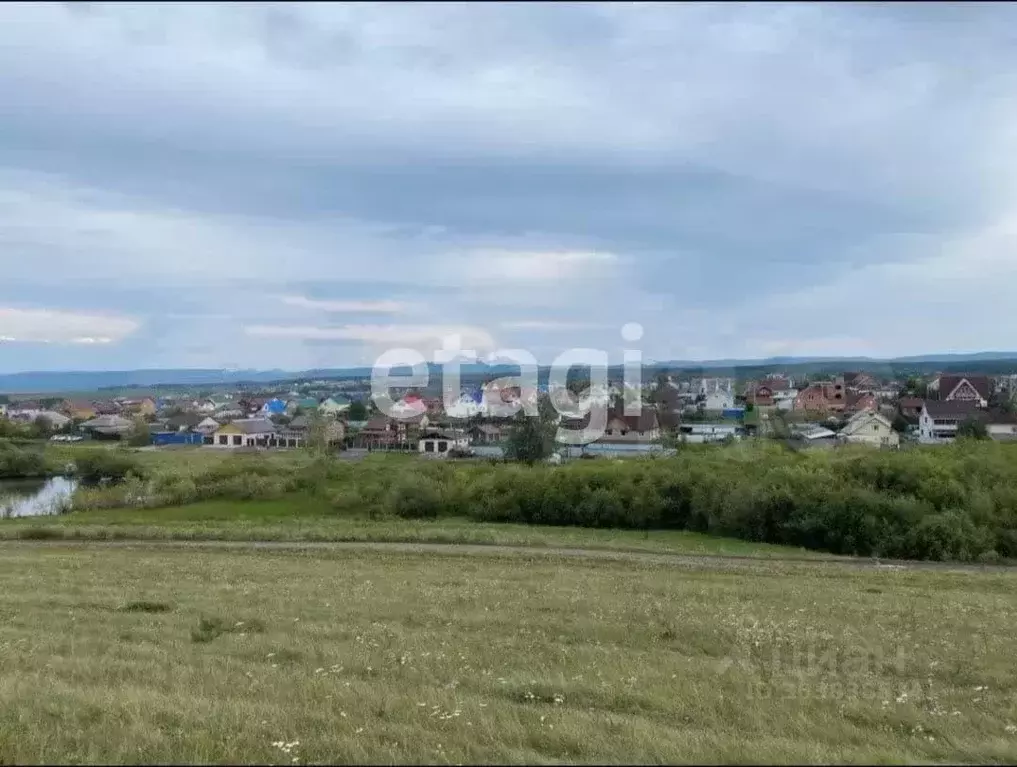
(34, 497)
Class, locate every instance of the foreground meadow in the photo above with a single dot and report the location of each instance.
(158, 654)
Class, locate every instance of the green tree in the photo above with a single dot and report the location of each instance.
(1004, 403)
(671, 439)
(916, 387)
(532, 438)
(779, 428)
(578, 384)
(357, 411)
(900, 423)
(141, 433)
(317, 432)
(972, 428)
(42, 427)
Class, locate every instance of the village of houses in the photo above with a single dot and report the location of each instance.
(849, 408)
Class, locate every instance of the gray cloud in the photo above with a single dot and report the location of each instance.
(737, 162)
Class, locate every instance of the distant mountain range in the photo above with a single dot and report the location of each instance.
(83, 381)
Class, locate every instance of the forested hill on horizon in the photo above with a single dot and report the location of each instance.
(76, 380)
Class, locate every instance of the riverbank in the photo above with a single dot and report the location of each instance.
(150, 655)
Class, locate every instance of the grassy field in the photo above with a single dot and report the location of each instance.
(161, 655)
(307, 519)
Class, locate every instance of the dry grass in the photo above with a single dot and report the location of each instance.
(148, 655)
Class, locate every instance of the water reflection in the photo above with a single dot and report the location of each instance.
(35, 497)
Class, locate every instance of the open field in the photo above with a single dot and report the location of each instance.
(300, 518)
(150, 655)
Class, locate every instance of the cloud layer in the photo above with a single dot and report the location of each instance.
(299, 185)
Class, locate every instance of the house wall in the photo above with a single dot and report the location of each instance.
(617, 430)
(696, 433)
(719, 400)
(1002, 430)
(234, 438)
(441, 446)
(932, 433)
(874, 432)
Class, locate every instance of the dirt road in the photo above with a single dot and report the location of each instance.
(455, 549)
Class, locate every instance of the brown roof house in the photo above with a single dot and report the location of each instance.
(860, 381)
(822, 396)
(961, 388)
(382, 431)
(622, 429)
(911, 407)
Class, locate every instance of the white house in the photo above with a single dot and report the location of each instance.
(56, 420)
(707, 432)
(939, 420)
(24, 413)
(708, 386)
(229, 410)
(784, 399)
(245, 432)
(868, 427)
(1002, 428)
(719, 399)
(207, 425)
(334, 407)
(438, 442)
(465, 407)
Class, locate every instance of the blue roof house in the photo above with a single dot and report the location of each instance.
(274, 406)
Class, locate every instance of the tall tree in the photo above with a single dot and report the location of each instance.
(972, 428)
(317, 432)
(141, 433)
(532, 438)
(42, 427)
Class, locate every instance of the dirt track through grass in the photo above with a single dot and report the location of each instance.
(706, 561)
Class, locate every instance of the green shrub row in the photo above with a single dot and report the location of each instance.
(957, 502)
(952, 503)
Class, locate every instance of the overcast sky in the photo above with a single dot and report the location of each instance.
(307, 185)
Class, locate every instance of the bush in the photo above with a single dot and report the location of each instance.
(415, 497)
(22, 462)
(96, 466)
